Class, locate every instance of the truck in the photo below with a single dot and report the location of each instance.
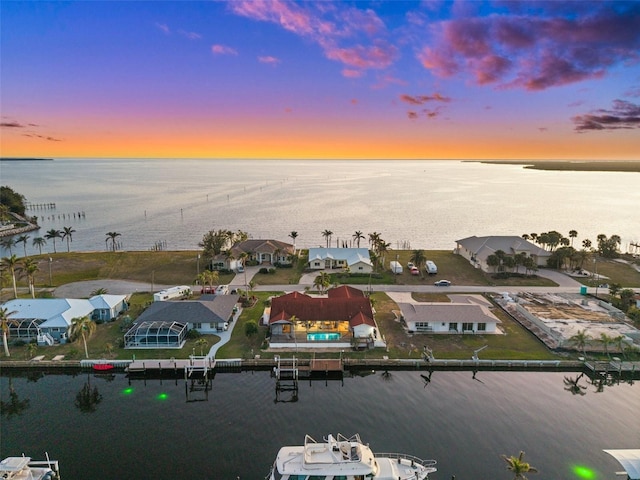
(173, 293)
(396, 267)
(431, 268)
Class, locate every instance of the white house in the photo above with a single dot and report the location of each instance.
(107, 307)
(356, 259)
(477, 249)
(454, 317)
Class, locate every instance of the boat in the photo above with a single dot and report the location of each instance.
(347, 459)
(23, 468)
(102, 367)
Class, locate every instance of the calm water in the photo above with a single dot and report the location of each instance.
(413, 204)
(464, 423)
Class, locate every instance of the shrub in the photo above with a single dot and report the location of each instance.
(193, 333)
(250, 328)
(264, 270)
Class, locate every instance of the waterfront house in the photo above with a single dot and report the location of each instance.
(267, 252)
(477, 249)
(357, 260)
(343, 316)
(107, 307)
(466, 314)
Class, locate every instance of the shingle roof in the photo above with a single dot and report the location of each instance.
(446, 312)
(191, 311)
(482, 247)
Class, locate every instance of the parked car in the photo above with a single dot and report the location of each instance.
(410, 265)
(442, 283)
(240, 269)
(415, 271)
(222, 290)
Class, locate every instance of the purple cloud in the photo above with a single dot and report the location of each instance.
(223, 50)
(623, 115)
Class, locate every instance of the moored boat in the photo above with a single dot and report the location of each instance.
(102, 367)
(23, 468)
(347, 459)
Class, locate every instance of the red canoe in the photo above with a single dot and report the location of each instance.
(102, 367)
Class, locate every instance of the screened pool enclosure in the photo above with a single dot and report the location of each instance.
(156, 335)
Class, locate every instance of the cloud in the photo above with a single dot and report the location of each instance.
(535, 52)
(223, 50)
(352, 73)
(622, 115)
(269, 60)
(12, 125)
(43, 137)
(29, 132)
(190, 35)
(164, 28)
(422, 99)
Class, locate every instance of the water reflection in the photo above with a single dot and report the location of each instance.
(87, 399)
(15, 406)
(572, 385)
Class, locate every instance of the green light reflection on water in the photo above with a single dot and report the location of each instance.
(162, 396)
(127, 391)
(584, 472)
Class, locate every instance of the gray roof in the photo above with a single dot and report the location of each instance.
(482, 247)
(446, 312)
(217, 310)
(351, 255)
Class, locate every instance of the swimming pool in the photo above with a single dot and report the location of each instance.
(319, 337)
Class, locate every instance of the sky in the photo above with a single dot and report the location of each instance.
(320, 79)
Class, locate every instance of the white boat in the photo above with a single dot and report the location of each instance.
(23, 468)
(346, 459)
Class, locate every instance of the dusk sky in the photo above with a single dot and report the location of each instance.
(321, 79)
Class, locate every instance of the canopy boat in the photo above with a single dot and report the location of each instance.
(347, 459)
(23, 468)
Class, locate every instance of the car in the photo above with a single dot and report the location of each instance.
(240, 269)
(414, 271)
(410, 265)
(222, 290)
(442, 283)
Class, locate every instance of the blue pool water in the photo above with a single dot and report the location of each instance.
(317, 337)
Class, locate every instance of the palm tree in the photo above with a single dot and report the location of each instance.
(39, 242)
(8, 243)
(327, 235)
(82, 326)
(293, 236)
(23, 240)
(52, 235)
(572, 234)
(322, 282)
(518, 466)
(580, 340)
(67, 234)
(418, 258)
(202, 343)
(357, 236)
(11, 263)
(112, 236)
(30, 267)
(606, 340)
(586, 243)
(5, 324)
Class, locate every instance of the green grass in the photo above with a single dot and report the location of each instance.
(614, 272)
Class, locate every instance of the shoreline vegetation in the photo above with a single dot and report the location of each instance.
(572, 165)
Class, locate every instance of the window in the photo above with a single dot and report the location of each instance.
(467, 327)
(197, 325)
(453, 326)
(423, 327)
(482, 327)
(359, 268)
(316, 264)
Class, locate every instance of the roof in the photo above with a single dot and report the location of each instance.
(56, 312)
(447, 312)
(261, 246)
(107, 301)
(629, 459)
(342, 305)
(217, 310)
(350, 255)
(482, 247)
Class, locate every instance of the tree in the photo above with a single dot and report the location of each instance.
(322, 282)
(357, 236)
(67, 233)
(14, 201)
(518, 466)
(572, 234)
(23, 239)
(327, 235)
(580, 340)
(82, 327)
(202, 343)
(293, 236)
(11, 264)
(250, 328)
(5, 324)
(215, 242)
(30, 267)
(418, 258)
(39, 242)
(586, 244)
(8, 243)
(493, 261)
(606, 340)
(52, 235)
(112, 236)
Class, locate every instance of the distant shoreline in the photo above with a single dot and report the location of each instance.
(11, 159)
(574, 166)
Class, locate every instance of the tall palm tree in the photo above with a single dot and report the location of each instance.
(327, 235)
(112, 236)
(322, 282)
(606, 340)
(5, 323)
(8, 243)
(82, 327)
(586, 243)
(11, 264)
(580, 340)
(293, 236)
(518, 466)
(67, 233)
(23, 240)
(52, 235)
(418, 258)
(243, 259)
(357, 236)
(30, 267)
(572, 234)
(39, 242)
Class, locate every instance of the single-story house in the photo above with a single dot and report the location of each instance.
(48, 320)
(356, 259)
(344, 314)
(477, 249)
(454, 317)
(261, 251)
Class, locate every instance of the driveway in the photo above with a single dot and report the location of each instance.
(113, 287)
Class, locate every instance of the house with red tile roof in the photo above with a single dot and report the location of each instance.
(343, 316)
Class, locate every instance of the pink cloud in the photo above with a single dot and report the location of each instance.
(164, 28)
(223, 50)
(535, 53)
(269, 60)
(622, 115)
(352, 73)
(190, 35)
(375, 56)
